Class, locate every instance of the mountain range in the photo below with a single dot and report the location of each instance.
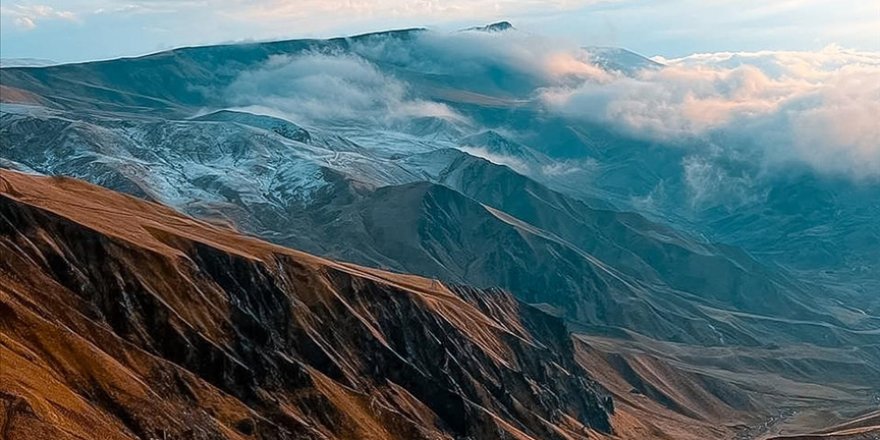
(517, 226)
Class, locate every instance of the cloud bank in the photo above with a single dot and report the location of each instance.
(818, 108)
(330, 88)
(671, 27)
(359, 84)
(808, 108)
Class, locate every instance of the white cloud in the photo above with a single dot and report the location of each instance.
(25, 22)
(528, 60)
(818, 108)
(348, 85)
(28, 16)
(338, 88)
(281, 10)
(709, 184)
(563, 168)
(814, 108)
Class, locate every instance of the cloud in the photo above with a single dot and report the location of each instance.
(817, 108)
(814, 108)
(348, 85)
(709, 183)
(335, 88)
(534, 60)
(314, 15)
(282, 10)
(27, 23)
(28, 16)
(564, 168)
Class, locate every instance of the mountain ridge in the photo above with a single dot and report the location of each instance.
(36, 210)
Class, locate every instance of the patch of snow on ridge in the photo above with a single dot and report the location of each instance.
(299, 180)
(498, 159)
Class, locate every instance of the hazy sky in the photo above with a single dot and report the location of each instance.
(73, 30)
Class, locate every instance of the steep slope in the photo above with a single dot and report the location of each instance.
(651, 255)
(122, 318)
(435, 231)
(637, 247)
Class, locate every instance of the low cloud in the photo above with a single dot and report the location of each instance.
(814, 108)
(564, 168)
(335, 88)
(709, 184)
(818, 108)
(350, 85)
(531, 60)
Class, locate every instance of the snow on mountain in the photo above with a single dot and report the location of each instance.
(620, 60)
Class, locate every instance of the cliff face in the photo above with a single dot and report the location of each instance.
(124, 319)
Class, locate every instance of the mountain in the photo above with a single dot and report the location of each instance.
(501, 26)
(211, 334)
(621, 60)
(392, 151)
(817, 225)
(440, 213)
(241, 338)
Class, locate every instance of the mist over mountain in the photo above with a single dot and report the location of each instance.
(711, 219)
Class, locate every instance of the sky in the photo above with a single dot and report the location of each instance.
(80, 30)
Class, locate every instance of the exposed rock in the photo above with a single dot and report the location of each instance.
(122, 319)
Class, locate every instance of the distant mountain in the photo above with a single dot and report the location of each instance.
(25, 62)
(501, 26)
(620, 60)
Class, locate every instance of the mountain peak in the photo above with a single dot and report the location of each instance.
(500, 26)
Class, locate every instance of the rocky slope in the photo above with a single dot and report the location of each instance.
(124, 319)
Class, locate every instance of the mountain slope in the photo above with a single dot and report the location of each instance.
(109, 302)
(327, 195)
(165, 83)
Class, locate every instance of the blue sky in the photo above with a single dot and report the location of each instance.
(96, 29)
